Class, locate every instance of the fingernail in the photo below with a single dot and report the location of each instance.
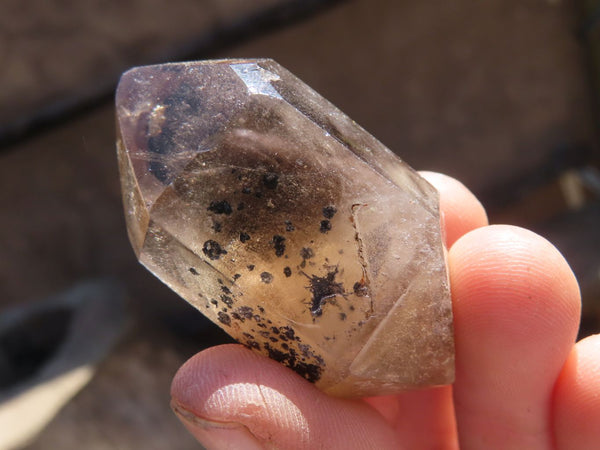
(217, 435)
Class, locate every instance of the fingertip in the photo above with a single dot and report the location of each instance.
(240, 395)
(516, 313)
(461, 210)
(576, 403)
(515, 274)
(242, 392)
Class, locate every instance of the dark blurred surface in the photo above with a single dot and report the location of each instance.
(60, 55)
(498, 94)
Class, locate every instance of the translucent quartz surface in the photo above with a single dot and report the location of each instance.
(286, 224)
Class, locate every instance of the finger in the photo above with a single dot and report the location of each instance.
(422, 419)
(425, 419)
(230, 397)
(516, 313)
(576, 411)
(461, 210)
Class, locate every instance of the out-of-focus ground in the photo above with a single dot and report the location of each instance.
(499, 94)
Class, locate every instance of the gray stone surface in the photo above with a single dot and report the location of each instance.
(58, 54)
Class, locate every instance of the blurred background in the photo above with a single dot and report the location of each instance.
(501, 94)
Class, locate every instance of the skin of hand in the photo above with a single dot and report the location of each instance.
(521, 380)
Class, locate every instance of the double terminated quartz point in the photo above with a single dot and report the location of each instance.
(286, 224)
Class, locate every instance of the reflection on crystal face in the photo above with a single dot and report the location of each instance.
(257, 79)
(286, 224)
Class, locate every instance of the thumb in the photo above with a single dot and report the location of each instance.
(230, 397)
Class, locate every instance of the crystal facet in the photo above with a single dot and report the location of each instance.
(286, 224)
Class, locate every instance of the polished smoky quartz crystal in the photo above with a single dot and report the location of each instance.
(286, 224)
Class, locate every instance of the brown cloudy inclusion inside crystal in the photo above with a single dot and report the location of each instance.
(286, 224)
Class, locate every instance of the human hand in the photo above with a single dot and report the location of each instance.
(521, 381)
